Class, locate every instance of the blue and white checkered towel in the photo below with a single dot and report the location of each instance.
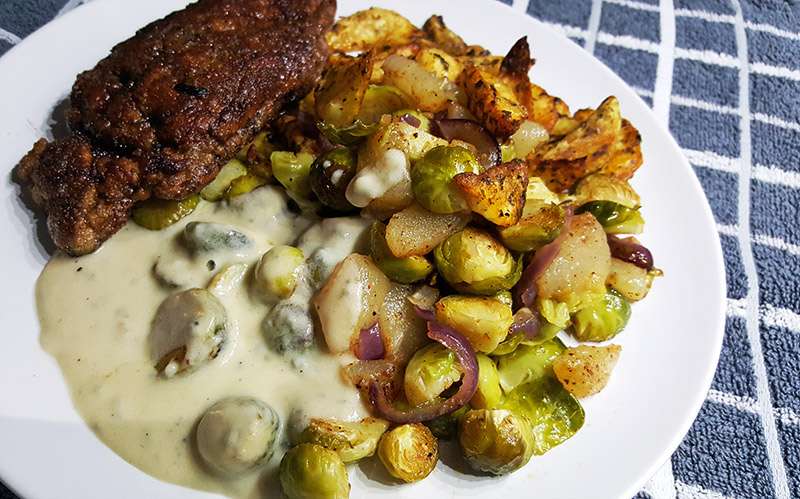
(724, 75)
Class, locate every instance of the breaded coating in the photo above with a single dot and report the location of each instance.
(167, 108)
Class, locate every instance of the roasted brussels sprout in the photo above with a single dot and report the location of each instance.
(432, 178)
(496, 440)
(188, 330)
(474, 262)
(488, 393)
(430, 371)
(409, 452)
(208, 237)
(540, 224)
(351, 440)
(527, 363)
(614, 217)
(216, 189)
(244, 184)
(329, 175)
(380, 100)
(601, 187)
(157, 214)
(277, 271)
(349, 135)
(292, 171)
(288, 328)
(446, 427)
(404, 270)
(602, 320)
(237, 434)
(310, 471)
(554, 414)
(483, 320)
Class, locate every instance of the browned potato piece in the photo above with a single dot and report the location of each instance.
(439, 62)
(374, 27)
(403, 331)
(585, 370)
(449, 41)
(340, 91)
(545, 109)
(498, 194)
(625, 155)
(417, 231)
(492, 101)
(630, 281)
(385, 372)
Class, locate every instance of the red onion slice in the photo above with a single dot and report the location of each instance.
(629, 251)
(411, 120)
(487, 149)
(427, 314)
(456, 342)
(527, 321)
(526, 289)
(370, 343)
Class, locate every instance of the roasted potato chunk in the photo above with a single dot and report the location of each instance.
(374, 27)
(338, 96)
(439, 62)
(585, 370)
(492, 101)
(449, 41)
(498, 194)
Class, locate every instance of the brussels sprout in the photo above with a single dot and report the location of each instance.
(600, 187)
(310, 471)
(446, 427)
(208, 237)
(216, 189)
(277, 271)
(380, 100)
(292, 170)
(554, 312)
(539, 225)
(157, 214)
(483, 320)
(424, 122)
(474, 262)
(554, 414)
(496, 441)
(504, 297)
(404, 270)
(602, 320)
(188, 330)
(614, 217)
(237, 434)
(244, 184)
(409, 452)
(329, 175)
(430, 371)
(288, 328)
(488, 393)
(432, 178)
(527, 363)
(509, 344)
(349, 135)
(351, 440)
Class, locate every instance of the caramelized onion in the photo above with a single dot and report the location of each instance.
(411, 120)
(631, 252)
(456, 342)
(486, 147)
(370, 343)
(527, 288)
(427, 314)
(527, 321)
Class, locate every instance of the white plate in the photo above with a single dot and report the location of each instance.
(670, 347)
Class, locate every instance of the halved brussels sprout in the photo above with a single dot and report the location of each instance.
(614, 217)
(277, 271)
(157, 214)
(446, 427)
(432, 178)
(430, 371)
(310, 471)
(209, 237)
(244, 184)
(602, 320)
(288, 328)
(351, 440)
(554, 414)
(474, 262)
(404, 270)
(380, 100)
(601, 187)
(188, 330)
(488, 393)
(496, 441)
(539, 225)
(527, 363)
(349, 135)
(217, 188)
(483, 320)
(329, 175)
(237, 434)
(409, 452)
(292, 170)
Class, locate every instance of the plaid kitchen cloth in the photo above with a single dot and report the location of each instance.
(724, 76)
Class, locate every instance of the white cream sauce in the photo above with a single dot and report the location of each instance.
(96, 311)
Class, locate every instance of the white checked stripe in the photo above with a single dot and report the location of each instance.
(748, 404)
(662, 89)
(520, 5)
(593, 25)
(686, 491)
(9, 37)
(770, 174)
(635, 5)
(718, 108)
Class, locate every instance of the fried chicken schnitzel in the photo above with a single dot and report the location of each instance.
(167, 108)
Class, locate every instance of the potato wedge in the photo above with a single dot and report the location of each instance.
(449, 41)
(341, 89)
(497, 194)
(585, 370)
(625, 155)
(417, 231)
(439, 62)
(371, 28)
(492, 101)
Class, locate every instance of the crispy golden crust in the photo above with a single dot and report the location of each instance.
(163, 112)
